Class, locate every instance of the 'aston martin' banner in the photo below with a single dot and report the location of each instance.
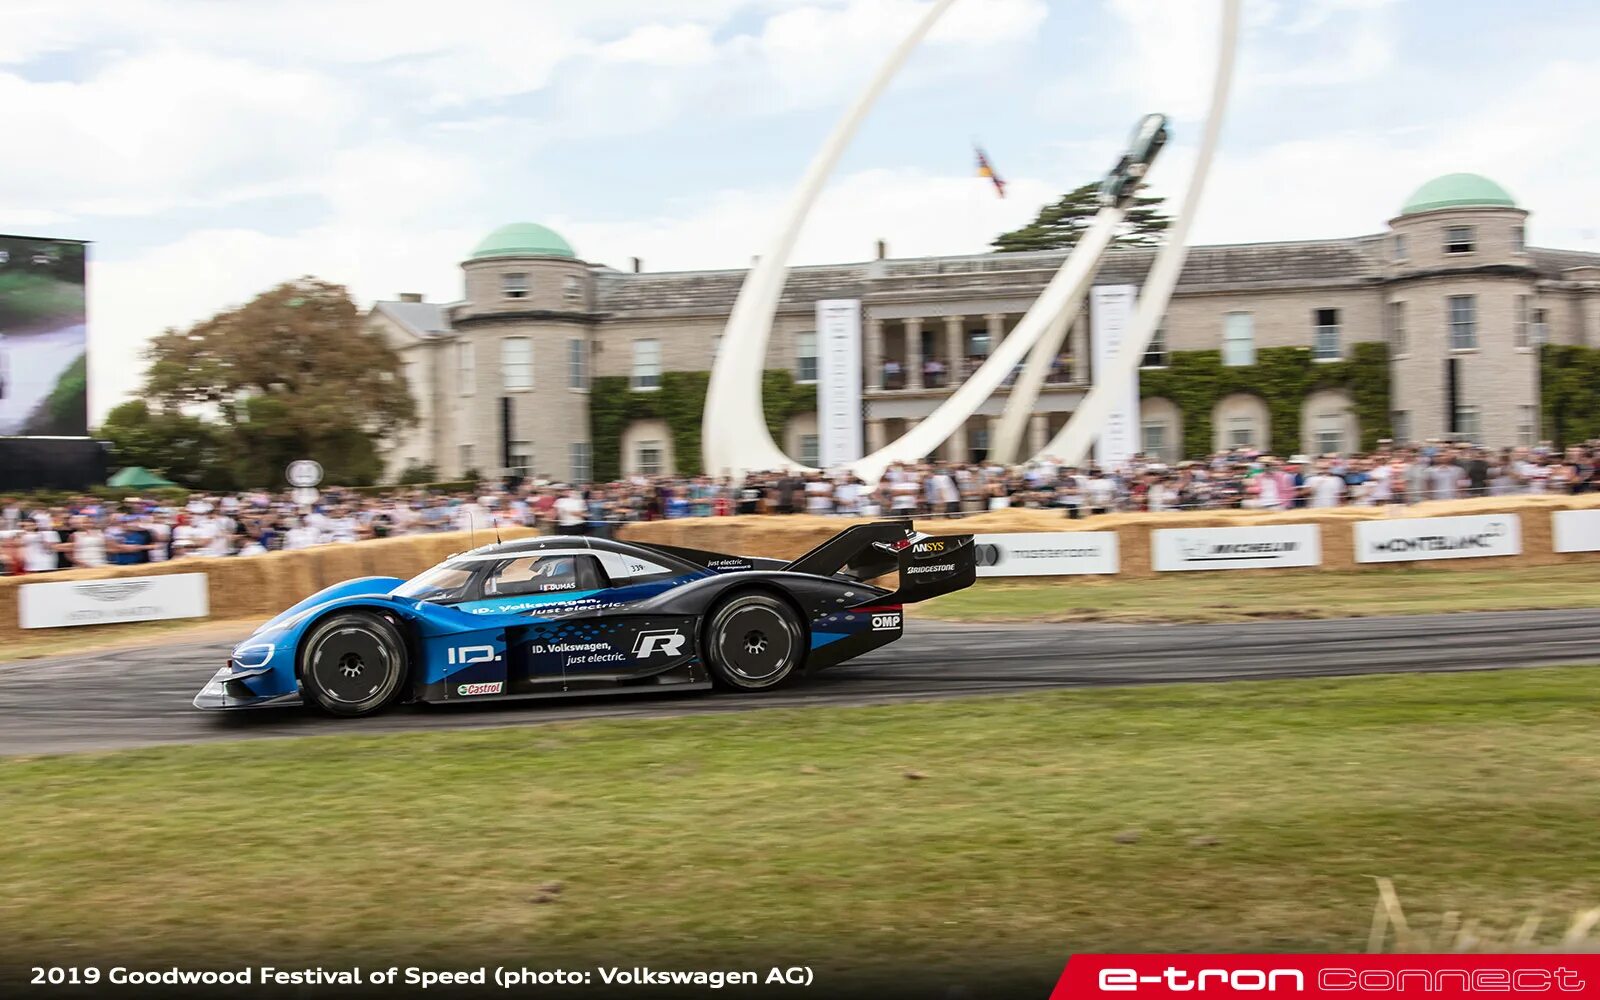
(123, 599)
(1408, 539)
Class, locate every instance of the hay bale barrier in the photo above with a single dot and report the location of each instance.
(787, 536)
(261, 586)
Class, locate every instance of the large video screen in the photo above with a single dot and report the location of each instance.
(44, 377)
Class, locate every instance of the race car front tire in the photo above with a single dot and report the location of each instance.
(754, 641)
(353, 663)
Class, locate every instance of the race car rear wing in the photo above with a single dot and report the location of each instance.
(927, 565)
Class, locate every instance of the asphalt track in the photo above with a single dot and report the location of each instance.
(140, 697)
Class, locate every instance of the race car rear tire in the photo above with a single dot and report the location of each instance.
(754, 641)
(353, 663)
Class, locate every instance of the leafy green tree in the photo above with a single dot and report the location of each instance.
(293, 373)
(183, 448)
(1061, 224)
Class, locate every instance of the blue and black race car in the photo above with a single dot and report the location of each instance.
(553, 616)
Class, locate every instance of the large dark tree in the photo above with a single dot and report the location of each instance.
(293, 373)
(1060, 225)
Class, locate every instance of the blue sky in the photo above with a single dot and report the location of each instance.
(211, 150)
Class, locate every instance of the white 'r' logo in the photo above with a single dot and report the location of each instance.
(668, 640)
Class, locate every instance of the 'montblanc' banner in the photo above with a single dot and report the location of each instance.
(1047, 553)
(123, 599)
(1409, 539)
(1265, 546)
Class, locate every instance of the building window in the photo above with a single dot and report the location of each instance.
(577, 363)
(572, 288)
(1458, 239)
(1463, 322)
(647, 364)
(1527, 425)
(521, 458)
(1519, 239)
(1325, 342)
(516, 364)
(1541, 328)
(1467, 425)
(466, 367)
(716, 347)
(1329, 434)
(1519, 336)
(578, 457)
(805, 357)
(1153, 439)
(514, 284)
(649, 463)
(1241, 432)
(1238, 339)
(1400, 247)
(1155, 356)
(1400, 422)
(810, 449)
(977, 343)
(1398, 342)
(466, 460)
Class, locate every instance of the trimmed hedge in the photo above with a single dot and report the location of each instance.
(1283, 377)
(680, 402)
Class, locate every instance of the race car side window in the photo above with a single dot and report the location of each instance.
(541, 574)
(443, 584)
(625, 569)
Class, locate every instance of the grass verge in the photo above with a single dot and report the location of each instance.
(1231, 597)
(985, 834)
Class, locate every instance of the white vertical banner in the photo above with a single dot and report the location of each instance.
(1110, 313)
(838, 381)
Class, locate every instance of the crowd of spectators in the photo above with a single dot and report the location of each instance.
(89, 531)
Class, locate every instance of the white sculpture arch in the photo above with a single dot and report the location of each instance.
(734, 435)
(1074, 440)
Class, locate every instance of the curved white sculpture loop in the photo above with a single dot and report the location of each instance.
(1074, 440)
(733, 431)
(734, 435)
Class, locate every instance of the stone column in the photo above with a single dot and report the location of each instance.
(875, 435)
(1038, 434)
(874, 353)
(955, 352)
(997, 329)
(914, 353)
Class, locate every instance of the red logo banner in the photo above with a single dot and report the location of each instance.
(1346, 977)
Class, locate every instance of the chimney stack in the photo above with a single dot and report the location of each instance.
(883, 249)
(410, 296)
(638, 265)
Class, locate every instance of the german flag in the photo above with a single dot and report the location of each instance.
(985, 169)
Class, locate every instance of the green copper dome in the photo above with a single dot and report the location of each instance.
(523, 239)
(1457, 191)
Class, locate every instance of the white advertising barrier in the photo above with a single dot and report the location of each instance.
(1576, 530)
(1263, 546)
(1410, 539)
(1047, 553)
(98, 602)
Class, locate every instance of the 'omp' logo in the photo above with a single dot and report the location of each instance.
(661, 640)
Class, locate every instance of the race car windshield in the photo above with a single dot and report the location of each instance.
(444, 582)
